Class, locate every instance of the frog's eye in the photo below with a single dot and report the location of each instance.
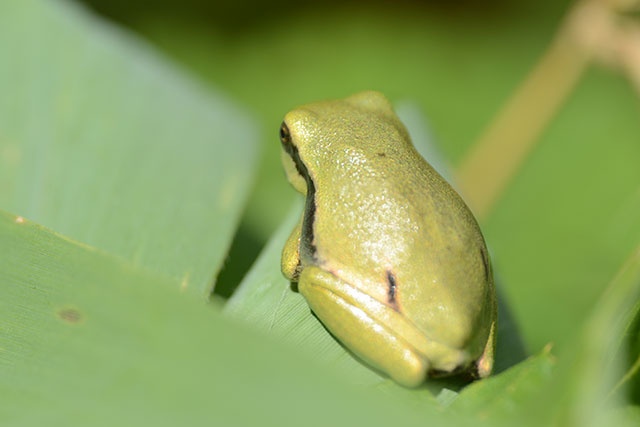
(285, 135)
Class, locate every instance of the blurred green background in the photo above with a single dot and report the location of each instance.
(569, 215)
(141, 170)
(458, 60)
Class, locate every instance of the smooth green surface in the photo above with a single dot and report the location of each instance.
(103, 140)
(626, 416)
(590, 366)
(630, 349)
(88, 339)
(505, 394)
(570, 216)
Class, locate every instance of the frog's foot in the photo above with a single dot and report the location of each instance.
(375, 332)
(484, 365)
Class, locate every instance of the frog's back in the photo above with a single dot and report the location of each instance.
(382, 205)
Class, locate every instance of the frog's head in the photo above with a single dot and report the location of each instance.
(325, 131)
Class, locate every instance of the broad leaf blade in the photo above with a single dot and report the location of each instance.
(88, 339)
(631, 377)
(626, 416)
(589, 368)
(570, 216)
(628, 355)
(503, 395)
(108, 143)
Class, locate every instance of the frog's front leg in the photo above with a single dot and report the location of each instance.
(290, 261)
(370, 340)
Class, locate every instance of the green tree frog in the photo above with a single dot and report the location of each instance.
(386, 253)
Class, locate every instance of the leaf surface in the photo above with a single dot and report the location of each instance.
(105, 141)
(86, 338)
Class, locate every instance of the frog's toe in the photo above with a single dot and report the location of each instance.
(484, 365)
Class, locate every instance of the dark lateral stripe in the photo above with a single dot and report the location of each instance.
(485, 263)
(292, 151)
(393, 288)
(306, 236)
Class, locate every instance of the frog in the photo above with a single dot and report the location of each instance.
(386, 253)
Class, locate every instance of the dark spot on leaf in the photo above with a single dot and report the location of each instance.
(70, 315)
(382, 155)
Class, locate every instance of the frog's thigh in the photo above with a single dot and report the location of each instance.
(290, 262)
(368, 339)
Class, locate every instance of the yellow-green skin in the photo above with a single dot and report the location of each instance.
(387, 254)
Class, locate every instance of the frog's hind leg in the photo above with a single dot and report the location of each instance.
(375, 343)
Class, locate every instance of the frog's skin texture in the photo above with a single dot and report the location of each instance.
(386, 253)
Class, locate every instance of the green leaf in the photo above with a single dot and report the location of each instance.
(504, 395)
(105, 141)
(590, 366)
(89, 339)
(266, 300)
(628, 354)
(570, 216)
(626, 416)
